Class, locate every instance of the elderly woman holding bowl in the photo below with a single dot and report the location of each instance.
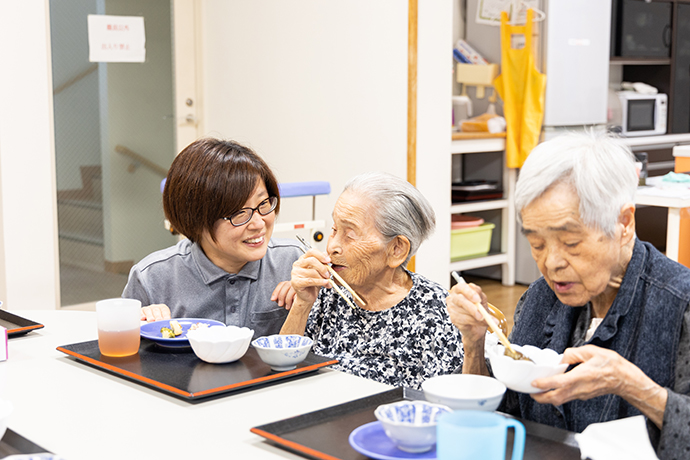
(613, 305)
(403, 335)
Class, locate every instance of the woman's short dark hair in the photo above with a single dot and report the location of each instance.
(211, 179)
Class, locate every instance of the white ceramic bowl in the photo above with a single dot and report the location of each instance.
(220, 344)
(518, 375)
(411, 425)
(282, 352)
(464, 391)
(5, 411)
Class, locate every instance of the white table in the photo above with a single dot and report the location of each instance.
(80, 412)
(649, 196)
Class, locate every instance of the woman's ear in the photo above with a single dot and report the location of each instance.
(398, 249)
(627, 220)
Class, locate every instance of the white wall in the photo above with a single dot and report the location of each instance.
(28, 225)
(319, 89)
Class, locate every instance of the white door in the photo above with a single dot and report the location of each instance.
(115, 137)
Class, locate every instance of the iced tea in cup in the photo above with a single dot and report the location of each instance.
(118, 326)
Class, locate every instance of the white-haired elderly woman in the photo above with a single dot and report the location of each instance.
(615, 306)
(403, 335)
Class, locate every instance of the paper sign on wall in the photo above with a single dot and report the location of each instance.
(116, 38)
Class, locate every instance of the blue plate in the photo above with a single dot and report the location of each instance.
(152, 331)
(371, 440)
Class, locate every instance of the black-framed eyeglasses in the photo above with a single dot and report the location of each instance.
(244, 215)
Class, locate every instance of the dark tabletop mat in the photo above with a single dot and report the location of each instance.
(178, 371)
(324, 434)
(14, 444)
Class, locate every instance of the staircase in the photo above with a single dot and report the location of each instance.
(80, 222)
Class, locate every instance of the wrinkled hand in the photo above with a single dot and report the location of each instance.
(464, 313)
(155, 312)
(600, 372)
(309, 275)
(284, 295)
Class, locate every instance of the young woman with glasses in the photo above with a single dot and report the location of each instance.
(224, 199)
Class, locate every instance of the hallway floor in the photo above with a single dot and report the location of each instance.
(81, 288)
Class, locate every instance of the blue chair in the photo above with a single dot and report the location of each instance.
(291, 190)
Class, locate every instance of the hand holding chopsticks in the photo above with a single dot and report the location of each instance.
(337, 277)
(510, 351)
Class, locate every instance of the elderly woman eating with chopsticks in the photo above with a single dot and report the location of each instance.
(395, 329)
(613, 305)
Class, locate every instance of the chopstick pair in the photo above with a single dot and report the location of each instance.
(337, 277)
(512, 352)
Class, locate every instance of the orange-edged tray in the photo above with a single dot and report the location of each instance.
(16, 325)
(324, 434)
(178, 372)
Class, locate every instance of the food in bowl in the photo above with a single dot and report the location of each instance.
(411, 425)
(282, 352)
(220, 344)
(519, 375)
(464, 391)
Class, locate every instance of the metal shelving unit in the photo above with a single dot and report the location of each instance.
(506, 257)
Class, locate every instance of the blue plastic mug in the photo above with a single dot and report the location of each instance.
(477, 435)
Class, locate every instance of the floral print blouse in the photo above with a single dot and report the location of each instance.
(401, 346)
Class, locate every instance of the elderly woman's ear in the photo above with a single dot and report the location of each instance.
(398, 249)
(627, 220)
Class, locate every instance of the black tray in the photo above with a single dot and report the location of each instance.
(324, 434)
(15, 444)
(178, 372)
(16, 325)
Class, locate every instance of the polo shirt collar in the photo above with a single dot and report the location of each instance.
(210, 272)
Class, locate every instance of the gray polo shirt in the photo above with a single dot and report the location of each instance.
(184, 279)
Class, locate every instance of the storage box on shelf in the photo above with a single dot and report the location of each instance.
(506, 257)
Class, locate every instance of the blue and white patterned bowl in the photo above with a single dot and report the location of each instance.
(411, 425)
(282, 352)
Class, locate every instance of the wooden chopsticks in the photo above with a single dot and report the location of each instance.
(493, 326)
(337, 277)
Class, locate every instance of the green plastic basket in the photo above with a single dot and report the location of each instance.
(470, 242)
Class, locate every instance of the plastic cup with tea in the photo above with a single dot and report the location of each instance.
(118, 326)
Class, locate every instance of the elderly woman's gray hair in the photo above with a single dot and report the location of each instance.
(599, 167)
(400, 209)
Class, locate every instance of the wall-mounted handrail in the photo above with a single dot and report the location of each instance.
(92, 68)
(121, 149)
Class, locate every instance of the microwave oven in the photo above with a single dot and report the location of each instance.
(642, 114)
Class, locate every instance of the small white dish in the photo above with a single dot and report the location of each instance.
(464, 391)
(518, 375)
(220, 344)
(411, 425)
(282, 352)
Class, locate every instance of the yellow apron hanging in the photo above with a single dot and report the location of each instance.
(521, 87)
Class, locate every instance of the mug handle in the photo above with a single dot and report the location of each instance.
(518, 438)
